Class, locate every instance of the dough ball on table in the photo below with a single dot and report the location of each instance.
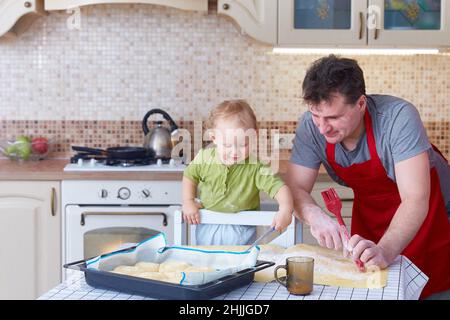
(198, 269)
(152, 276)
(173, 266)
(128, 270)
(147, 266)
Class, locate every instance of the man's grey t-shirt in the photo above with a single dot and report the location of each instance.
(399, 135)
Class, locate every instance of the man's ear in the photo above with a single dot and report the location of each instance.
(362, 103)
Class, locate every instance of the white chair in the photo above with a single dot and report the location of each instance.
(251, 218)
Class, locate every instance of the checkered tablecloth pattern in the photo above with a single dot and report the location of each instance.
(405, 282)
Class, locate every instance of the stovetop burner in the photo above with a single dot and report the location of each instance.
(116, 162)
(87, 156)
(135, 162)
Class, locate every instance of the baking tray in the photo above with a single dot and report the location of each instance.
(165, 290)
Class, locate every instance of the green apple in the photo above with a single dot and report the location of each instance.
(23, 149)
(11, 150)
(23, 139)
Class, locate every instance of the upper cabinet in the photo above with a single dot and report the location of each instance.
(409, 22)
(348, 23)
(16, 16)
(374, 23)
(196, 5)
(322, 22)
(257, 18)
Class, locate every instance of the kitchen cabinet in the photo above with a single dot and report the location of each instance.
(196, 5)
(372, 23)
(30, 233)
(346, 195)
(257, 18)
(17, 16)
(409, 22)
(316, 22)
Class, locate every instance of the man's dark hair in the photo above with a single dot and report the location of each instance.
(333, 74)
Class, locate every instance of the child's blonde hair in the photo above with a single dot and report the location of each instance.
(238, 110)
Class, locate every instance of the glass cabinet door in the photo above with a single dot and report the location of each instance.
(412, 15)
(410, 22)
(322, 14)
(322, 22)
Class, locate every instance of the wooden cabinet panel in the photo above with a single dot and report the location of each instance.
(17, 15)
(30, 228)
(257, 18)
(197, 5)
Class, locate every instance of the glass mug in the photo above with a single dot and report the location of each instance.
(299, 275)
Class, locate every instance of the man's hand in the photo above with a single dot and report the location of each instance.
(191, 212)
(282, 220)
(323, 228)
(369, 252)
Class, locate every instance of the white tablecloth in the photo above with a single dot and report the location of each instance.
(405, 282)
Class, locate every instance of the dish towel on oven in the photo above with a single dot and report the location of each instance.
(154, 250)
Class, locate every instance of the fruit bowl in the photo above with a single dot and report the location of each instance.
(26, 148)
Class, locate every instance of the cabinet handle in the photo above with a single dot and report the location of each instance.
(27, 4)
(361, 25)
(87, 213)
(376, 28)
(226, 6)
(53, 202)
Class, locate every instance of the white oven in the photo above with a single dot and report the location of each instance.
(101, 216)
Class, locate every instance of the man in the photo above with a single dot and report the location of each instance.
(377, 146)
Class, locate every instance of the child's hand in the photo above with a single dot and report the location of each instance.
(191, 214)
(282, 220)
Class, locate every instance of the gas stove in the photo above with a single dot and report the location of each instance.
(159, 165)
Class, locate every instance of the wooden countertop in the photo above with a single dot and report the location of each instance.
(52, 169)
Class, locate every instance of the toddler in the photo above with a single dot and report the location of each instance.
(230, 178)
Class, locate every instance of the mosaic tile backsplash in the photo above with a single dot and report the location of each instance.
(93, 86)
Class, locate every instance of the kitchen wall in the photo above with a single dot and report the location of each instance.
(93, 86)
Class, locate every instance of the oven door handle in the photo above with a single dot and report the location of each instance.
(94, 213)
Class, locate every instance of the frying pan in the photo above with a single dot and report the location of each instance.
(119, 153)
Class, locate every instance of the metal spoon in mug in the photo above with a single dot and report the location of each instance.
(272, 229)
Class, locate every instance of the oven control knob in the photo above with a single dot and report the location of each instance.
(146, 193)
(123, 193)
(103, 193)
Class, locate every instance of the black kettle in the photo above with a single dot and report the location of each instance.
(159, 139)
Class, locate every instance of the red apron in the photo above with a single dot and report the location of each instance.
(376, 201)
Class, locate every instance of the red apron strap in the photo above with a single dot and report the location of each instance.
(370, 136)
(330, 150)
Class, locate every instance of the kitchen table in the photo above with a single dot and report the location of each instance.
(405, 282)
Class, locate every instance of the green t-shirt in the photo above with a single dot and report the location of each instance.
(231, 188)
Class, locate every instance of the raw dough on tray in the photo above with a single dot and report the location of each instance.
(169, 271)
(128, 270)
(152, 276)
(174, 266)
(147, 266)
